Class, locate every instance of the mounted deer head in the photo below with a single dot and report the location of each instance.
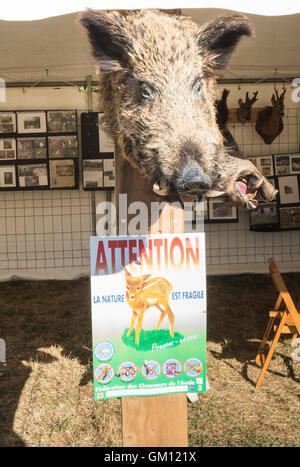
(269, 123)
(244, 112)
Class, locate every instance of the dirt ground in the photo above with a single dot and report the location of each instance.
(46, 388)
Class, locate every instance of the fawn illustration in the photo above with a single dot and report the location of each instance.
(142, 293)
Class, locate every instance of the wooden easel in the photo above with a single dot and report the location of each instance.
(286, 321)
(152, 421)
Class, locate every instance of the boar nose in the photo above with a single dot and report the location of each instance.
(193, 180)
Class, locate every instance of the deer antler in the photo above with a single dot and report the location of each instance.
(254, 99)
(283, 93)
(248, 102)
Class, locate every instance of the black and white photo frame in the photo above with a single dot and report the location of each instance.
(265, 217)
(8, 149)
(281, 214)
(32, 147)
(30, 141)
(98, 166)
(264, 164)
(287, 164)
(32, 122)
(61, 121)
(33, 175)
(289, 218)
(93, 173)
(288, 189)
(62, 173)
(62, 146)
(220, 211)
(295, 163)
(8, 123)
(7, 176)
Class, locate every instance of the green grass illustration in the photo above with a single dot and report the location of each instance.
(147, 338)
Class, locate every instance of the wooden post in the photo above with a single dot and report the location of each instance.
(150, 421)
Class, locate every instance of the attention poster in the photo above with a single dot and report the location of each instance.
(148, 296)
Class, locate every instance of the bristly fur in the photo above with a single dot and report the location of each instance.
(156, 74)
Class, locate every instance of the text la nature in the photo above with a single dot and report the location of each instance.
(176, 295)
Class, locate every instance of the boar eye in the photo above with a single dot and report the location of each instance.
(198, 88)
(146, 92)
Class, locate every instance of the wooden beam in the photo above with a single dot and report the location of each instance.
(232, 117)
(150, 421)
(155, 421)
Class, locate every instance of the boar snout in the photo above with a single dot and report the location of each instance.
(246, 183)
(192, 181)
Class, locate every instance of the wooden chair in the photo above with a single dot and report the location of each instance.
(284, 321)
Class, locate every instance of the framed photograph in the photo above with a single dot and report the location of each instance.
(288, 189)
(290, 218)
(62, 146)
(62, 173)
(31, 122)
(8, 122)
(108, 172)
(93, 173)
(32, 148)
(264, 164)
(7, 176)
(33, 175)
(61, 121)
(282, 164)
(221, 211)
(295, 163)
(105, 143)
(265, 214)
(7, 148)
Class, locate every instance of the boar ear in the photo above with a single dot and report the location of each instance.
(110, 45)
(219, 37)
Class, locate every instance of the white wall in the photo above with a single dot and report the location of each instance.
(45, 234)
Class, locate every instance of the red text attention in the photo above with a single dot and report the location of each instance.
(136, 253)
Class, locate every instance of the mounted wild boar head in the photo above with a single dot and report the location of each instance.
(156, 75)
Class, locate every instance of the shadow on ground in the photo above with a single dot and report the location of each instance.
(36, 315)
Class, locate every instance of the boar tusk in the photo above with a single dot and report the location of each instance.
(258, 184)
(160, 191)
(214, 193)
(251, 195)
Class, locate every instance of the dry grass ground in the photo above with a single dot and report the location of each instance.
(46, 391)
